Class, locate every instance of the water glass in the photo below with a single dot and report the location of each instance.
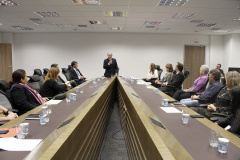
(222, 145)
(45, 109)
(25, 128)
(19, 131)
(74, 97)
(77, 89)
(68, 99)
(49, 109)
(213, 139)
(95, 83)
(71, 95)
(43, 118)
(68, 87)
(82, 89)
(98, 79)
(132, 81)
(185, 117)
(156, 91)
(165, 102)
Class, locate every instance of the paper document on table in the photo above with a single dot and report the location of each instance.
(135, 78)
(13, 144)
(149, 87)
(140, 83)
(170, 110)
(53, 102)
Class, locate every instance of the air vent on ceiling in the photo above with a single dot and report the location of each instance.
(196, 21)
(206, 24)
(48, 14)
(82, 25)
(116, 14)
(150, 26)
(22, 28)
(87, 2)
(173, 3)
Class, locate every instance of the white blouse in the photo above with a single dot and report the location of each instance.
(150, 75)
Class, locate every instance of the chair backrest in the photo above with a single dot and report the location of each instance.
(4, 87)
(45, 71)
(186, 73)
(5, 101)
(66, 73)
(35, 83)
(159, 71)
(205, 85)
(37, 72)
(69, 67)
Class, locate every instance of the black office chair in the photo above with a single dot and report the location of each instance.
(159, 71)
(186, 73)
(45, 71)
(39, 73)
(35, 83)
(66, 73)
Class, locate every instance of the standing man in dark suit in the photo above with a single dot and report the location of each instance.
(76, 74)
(219, 68)
(176, 81)
(110, 66)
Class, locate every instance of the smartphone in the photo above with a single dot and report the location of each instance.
(4, 131)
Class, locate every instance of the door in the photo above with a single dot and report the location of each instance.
(193, 59)
(5, 61)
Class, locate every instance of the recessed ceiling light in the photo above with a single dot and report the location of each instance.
(117, 28)
(98, 22)
(155, 23)
(87, 2)
(7, 3)
(237, 19)
(173, 3)
(163, 29)
(65, 25)
(206, 24)
(215, 29)
(222, 31)
(38, 21)
(183, 15)
(116, 14)
(82, 25)
(196, 21)
(0, 24)
(22, 28)
(48, 14)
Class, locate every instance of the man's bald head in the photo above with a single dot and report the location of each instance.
(109, 55)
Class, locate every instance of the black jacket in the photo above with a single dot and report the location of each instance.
(22, 99)
(110, 69)
(177, 80)
(74, 76)
(51, 88)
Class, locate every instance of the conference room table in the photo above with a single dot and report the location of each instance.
(86, 121)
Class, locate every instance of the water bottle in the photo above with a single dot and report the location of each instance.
(156, 91)
(132, 81)
(95, 83)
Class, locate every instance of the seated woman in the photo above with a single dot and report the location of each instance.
(6, 115)
(167, 77)
(197, 87)
(50, 86)
(233, 121)
(24, 98)
(224, 98)
(152, 74)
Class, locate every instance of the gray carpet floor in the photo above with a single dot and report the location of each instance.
(114, 147)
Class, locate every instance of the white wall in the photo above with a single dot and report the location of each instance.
(134, 52)
(216, 51)
(0, 37)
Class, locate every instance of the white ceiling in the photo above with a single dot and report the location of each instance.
(221, 12)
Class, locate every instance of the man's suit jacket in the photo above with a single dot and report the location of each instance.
(74, 76)
(22, 99)
(177, 80)
(110, 69)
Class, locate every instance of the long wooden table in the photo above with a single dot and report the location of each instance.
(83, 136)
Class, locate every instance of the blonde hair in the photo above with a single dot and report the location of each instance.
(52, 74)
(232, 79)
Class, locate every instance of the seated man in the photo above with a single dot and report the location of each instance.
(6, 115)
(76, 74)
(176, 81)
(209, 94)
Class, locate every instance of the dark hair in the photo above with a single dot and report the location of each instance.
(73, 63)
(219, 65)
(169, 67)
(180, 66)
(54, 65)
(215, 73)
(152, 68)
(17, 76)
(235, 91)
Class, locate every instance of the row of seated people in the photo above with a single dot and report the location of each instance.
(24, 98)
(220, 99)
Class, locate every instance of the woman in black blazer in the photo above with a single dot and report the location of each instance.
(50, 86)
(23, 97)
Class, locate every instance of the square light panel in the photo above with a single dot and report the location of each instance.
(98, 22)
(183, 15)
(116, 14)
(237, 19)
(163, 29)
(7, 3)
(196, 21)
(154, 23)
(48, 14)
(173, 3)
(65, 25)
(87, 2)
(117, 28)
